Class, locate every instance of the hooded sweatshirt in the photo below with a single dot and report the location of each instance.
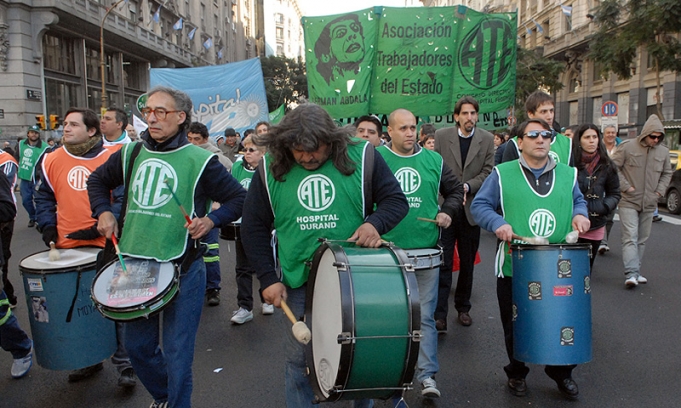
(647, 169)
(214, 149)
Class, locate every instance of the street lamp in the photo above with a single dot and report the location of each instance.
(102, 63)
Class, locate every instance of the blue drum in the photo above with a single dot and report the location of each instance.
(68, 331)
(551, 304)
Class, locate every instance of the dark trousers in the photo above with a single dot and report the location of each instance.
(244, 278)
(517, 369)
(468, 238)
(594, 249)
(6, 231)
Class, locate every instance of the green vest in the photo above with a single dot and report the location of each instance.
(241, 174)
(531, 214)
(154, 224)
(309, 205)
(419, 176)
(28, 158)
(561, 148)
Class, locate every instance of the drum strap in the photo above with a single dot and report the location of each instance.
(73, 302)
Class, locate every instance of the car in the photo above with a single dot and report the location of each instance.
(674, 159)
(673, 194)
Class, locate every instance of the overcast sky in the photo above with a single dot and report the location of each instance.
(323, 8)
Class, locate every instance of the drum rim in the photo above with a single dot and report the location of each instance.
(550, 247)
(74, 268)
(144, 309)
(175, 283)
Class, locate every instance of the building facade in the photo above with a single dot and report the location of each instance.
(50, 55)
(283, 29)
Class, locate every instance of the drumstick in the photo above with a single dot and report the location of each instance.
(118, 252)
(177, 200)
(426, 219)
(532, 240)
(53, 255)
(300, 330)
(572, 237)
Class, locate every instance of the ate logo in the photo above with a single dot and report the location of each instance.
(554, 156)
(28, 153)
(245, 183)
(542, 223)
(486, 55)
(77, 178)
(149, 190)
(316, 192)
(409, 179)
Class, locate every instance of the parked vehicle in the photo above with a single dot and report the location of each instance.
(673, 195)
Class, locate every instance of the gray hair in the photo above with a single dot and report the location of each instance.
(182, 102)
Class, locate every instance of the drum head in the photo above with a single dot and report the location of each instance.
(69, 260)
(327, 322)
(426, 258)
(145, 280)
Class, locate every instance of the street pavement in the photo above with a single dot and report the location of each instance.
(636, 337)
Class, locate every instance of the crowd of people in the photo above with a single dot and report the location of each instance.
(168, 197)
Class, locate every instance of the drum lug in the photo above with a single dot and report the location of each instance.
(416, 335)
(409, 267)
(345, 338)
(341, 266)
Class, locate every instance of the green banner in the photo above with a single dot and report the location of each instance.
(422, 59)
(277, 115)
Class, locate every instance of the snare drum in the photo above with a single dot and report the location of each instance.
(146, 288)
(67, 331)
(362, 306)
(232, 231)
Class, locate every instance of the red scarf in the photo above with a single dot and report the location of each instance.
(590, 161)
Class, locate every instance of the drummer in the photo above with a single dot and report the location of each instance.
(534, 180)
(402, 154)
(64, 175)
(243, 172)
(154, 229)
(307, 147)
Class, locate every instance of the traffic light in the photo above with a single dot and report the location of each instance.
(54, 121)
(40, 121)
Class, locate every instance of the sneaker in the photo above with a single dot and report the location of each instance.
(267, 309)
(631, 282)
(20, 366)
(657, 218)
(213, 297)
(155, 404)
(641, 279)
(241, 316)
(127, 378)
(83, 373)
(31, 223)
(430, 388)
(603, 249)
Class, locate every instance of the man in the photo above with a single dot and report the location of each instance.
(405, 156)
(260, 128)
(232, 146)
(8, 166)
(307, 143)
(29, 151)
(645, 171)
(518, 188)
(469, 152)
(369, 128)
(132, 133)
(610, 140)
(197, 134)
(539, 105)
(155, 228)
(113, 126)
(63, 185)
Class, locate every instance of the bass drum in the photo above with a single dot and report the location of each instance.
(362, 306)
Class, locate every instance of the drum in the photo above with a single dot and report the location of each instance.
(551, 304)
(231, 232)
(362, 306)
(67, 331)
(427, 258)
(146, 288)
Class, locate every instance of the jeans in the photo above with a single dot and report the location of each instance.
(167, 373)
(120, 359)
(608, 226)
(244, 278)
(212, 259)
(27, 189)
(427, 364)
(299, 392)
(636, 226)
(12, 337)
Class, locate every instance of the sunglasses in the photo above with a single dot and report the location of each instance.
(250, 150)
(655, 137)
(533, 134)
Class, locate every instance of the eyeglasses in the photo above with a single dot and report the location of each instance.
(160, 113)
(250, 150)
(533, 134)
(655, 137)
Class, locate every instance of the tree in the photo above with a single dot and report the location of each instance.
(534, 71)
(285, 80)
(626, 25)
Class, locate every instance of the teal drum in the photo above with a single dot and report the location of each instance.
(68, 333)
(362, 307)
(551, 304)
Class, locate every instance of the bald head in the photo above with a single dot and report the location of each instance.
(402, 130)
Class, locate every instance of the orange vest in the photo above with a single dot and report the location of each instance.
(8, 158)
(67, 175)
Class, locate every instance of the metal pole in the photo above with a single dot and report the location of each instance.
(102, 62)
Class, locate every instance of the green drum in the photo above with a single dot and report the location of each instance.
(362, 306)
(144, 288)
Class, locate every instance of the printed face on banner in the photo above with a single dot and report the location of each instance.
(340, 48)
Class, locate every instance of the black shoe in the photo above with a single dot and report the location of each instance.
(213, 297)
(657, 218)
(465, 319)
(31, 223)
(567, 386)
(83, 373)
(127, 378)
(441, 325)
(517, 386)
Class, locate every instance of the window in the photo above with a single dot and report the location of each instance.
(133, 74)
(597, 67)
(575, 82)
(203, 17)
(623, 107)
(280, 50)
(280, 33)
(596, 113)
(92, 65)
(58, 53)
(279, 18)
(60, 97)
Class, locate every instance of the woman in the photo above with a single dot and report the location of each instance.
(428, 142)
(598, 181)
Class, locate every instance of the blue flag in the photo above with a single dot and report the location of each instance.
(191, 34)
(567, 10)
(208, 43)
(220, 53)
(540, 29)
(178, 24)
(157, 15)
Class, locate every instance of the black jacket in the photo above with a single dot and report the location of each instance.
(601, 192)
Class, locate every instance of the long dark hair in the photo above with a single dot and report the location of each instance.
(305, 128)
(577, 146)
